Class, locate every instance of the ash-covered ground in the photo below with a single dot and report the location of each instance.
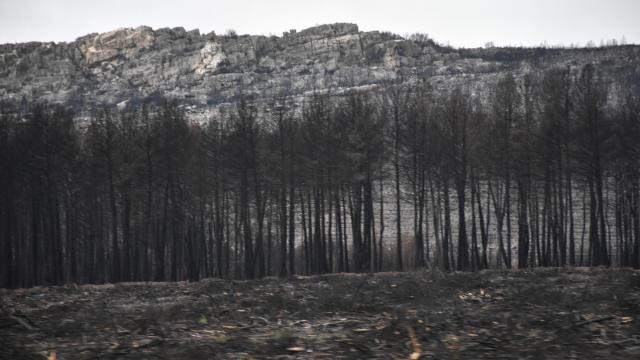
(525, 314)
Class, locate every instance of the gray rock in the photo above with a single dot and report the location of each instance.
(209, 71)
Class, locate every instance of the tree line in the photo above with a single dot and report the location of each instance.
(538, 170)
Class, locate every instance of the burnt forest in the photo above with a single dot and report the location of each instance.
(329, 192)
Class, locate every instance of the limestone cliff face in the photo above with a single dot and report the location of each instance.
(206, 71)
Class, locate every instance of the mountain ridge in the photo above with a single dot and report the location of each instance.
(208, 71)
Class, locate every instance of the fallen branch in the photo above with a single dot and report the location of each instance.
(590, 321)
(17, 319)
(22, 322)
(415, 344)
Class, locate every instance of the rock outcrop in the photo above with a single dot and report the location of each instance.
(208, 70)
(124, 43)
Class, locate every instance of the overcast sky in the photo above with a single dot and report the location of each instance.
(467, 23)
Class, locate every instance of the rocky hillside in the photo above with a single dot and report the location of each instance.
(207, 70)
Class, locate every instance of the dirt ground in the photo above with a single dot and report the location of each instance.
(533, 314)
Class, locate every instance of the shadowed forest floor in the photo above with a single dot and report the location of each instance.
(532, 314)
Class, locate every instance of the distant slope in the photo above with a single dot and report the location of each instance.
(207, 70)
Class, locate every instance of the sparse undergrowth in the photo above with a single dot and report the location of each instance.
(532, 314)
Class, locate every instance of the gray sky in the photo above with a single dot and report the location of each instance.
(466, 23)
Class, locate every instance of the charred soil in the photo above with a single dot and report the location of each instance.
(524, 314)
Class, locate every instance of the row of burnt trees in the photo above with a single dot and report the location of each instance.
(546, 167)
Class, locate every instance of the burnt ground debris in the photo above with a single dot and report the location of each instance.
(525, 314)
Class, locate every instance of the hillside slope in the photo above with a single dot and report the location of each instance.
(207, 70)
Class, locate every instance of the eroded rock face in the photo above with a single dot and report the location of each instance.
(206, 71)
(211, 57)
(121, 42)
